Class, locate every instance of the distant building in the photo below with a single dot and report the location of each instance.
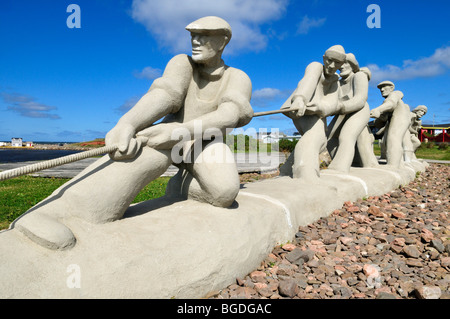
(275, 137)
(3, 143)
(268, 137)
(16, 142)
(29, 144)
(436, 133)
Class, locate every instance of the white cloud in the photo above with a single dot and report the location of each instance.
(148, 73)
(266, 93)
(307, 23)
(166, 20)
(26, 106)
(267, 97)
(434, 65)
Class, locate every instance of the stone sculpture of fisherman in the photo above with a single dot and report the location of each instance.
(315, 97)
(197, 91)
(364, 154)
(398, 118)
(353, 115)
(411, 141)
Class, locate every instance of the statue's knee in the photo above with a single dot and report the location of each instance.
(224, 195)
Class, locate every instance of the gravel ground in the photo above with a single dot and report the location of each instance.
(394, 246)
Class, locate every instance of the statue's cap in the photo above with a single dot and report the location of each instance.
(210, 24)
(421, 107)
(384, 83)
(336, 52)
(350, 58)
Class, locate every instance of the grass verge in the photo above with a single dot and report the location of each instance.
(432, 152)
(19, 194)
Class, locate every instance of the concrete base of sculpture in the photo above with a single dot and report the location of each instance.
(164, 248)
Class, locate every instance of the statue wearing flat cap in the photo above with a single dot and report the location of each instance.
(315, 98)
(198, 98)
(396, 115)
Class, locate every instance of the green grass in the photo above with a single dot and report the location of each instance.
(425, 151)
(433, 153)
(19, 194)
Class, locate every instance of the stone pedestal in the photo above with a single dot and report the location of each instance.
(164, 249)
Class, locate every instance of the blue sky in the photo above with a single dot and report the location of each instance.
(73, 84)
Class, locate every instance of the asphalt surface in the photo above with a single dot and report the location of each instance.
(246, 163)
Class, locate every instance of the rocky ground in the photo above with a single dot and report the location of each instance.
(385, 247)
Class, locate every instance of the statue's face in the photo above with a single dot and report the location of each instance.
(386, 90)
(331, 65)
(205, 47)
(345, 70)
(420, 113)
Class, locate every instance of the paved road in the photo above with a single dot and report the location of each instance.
(246, 163)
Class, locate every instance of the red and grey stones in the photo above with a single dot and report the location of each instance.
(396, 245)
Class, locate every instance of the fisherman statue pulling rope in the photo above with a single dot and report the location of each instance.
(201, 92)
(193, 89)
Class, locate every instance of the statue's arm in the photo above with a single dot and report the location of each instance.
(390, 103)
(233, 110)
(166, 95)
(308, 84)
(304, 91)
(416, 125)
(360, 95)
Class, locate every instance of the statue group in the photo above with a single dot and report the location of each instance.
(201, 88)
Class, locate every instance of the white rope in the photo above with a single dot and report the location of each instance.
(54, 162)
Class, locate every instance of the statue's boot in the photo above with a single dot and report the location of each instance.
(101, 193)
(46, 231)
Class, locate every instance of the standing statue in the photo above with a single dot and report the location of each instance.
(380, 125)
(315, 98)
(197, 92)
(397, 117)
(353, 115)
(411, 140)
(364, 155)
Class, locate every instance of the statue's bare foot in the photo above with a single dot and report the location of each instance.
(46, 231)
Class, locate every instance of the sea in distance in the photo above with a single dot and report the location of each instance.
(27, 154)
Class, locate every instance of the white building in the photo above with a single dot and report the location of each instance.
(269, 137)
(275, 137)
(16, 142)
